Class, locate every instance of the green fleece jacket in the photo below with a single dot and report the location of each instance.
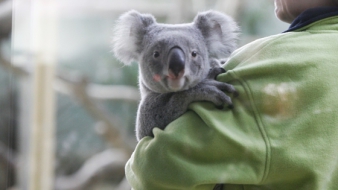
(281, 135)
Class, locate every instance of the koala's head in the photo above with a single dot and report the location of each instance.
(173, 57)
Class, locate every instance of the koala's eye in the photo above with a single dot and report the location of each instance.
(156, 54)
(194, 53)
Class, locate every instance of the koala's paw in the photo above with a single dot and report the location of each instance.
(213, 91)
(217, 62)
(214, 72)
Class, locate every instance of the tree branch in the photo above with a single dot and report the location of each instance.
(78, 87)
(5, 18)
(112, 160)
(7, 156)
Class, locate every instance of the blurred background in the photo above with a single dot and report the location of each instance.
(96, 97)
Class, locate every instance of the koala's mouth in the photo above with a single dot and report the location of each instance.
(171, 83)
(176, 82)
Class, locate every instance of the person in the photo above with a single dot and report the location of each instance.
(282, 133)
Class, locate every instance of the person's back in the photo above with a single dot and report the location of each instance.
(282, 132)
(291, 79)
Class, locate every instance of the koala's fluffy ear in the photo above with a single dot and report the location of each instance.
(219, 31)
(128, 35)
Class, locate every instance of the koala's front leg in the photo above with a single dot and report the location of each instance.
(212, 90)
(158, 110)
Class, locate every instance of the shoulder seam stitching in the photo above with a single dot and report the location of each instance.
(260, 125)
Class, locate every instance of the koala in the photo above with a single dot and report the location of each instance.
(178, 63)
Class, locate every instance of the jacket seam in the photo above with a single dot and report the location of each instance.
(260, 125)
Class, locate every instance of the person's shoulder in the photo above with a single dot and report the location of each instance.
(259, 46)
(261, 42)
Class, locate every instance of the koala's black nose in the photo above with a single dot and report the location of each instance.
(176, 60)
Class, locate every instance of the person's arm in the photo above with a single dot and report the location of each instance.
(204, 147)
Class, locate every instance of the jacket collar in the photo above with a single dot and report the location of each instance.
(312, 15)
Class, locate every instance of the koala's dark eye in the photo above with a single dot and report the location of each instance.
(194, 53)
(156, 54)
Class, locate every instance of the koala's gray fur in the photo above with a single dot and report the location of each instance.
(178, 63)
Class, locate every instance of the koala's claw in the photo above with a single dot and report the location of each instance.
(225, 99)
(213, 91)
(226, 87)
(235, 93)
(230, 106)
(214, 72)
